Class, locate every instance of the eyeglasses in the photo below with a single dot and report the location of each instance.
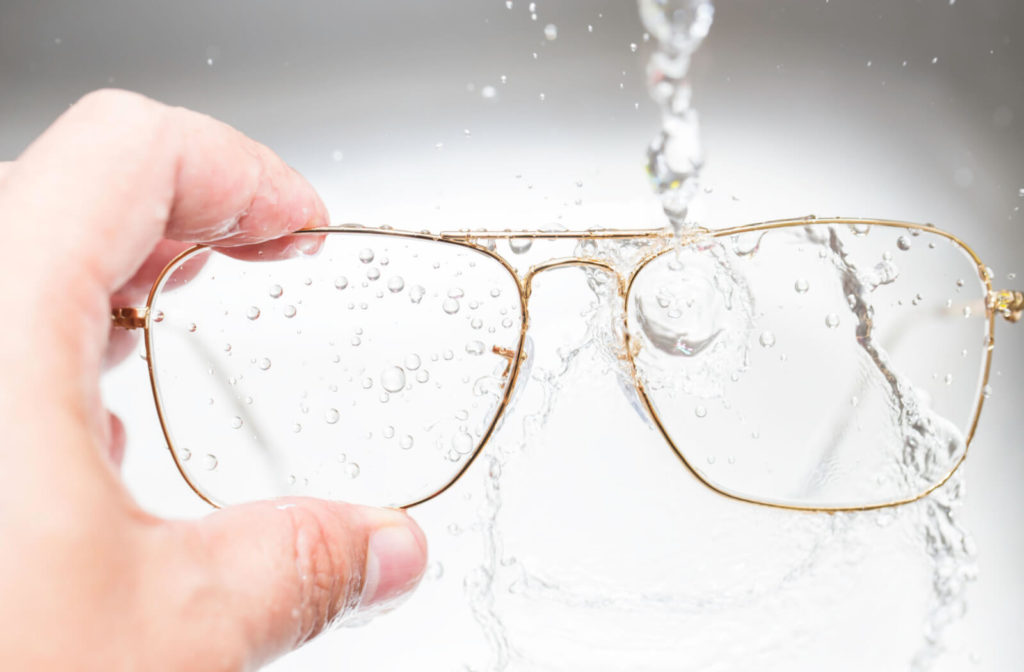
(810, 364)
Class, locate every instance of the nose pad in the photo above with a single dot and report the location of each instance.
(525, 367)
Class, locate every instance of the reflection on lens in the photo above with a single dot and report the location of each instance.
(326, 376)
(834, 367)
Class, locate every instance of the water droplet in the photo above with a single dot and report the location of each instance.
(476, 323)
(186, 454)
(356, 341)
(450, 306)
(422, 376)
(701, 412)
(367, 383)
(210, 462)
(475, 347)
(289, 311)
(373, 273)
(801, 286)
(296, 428)
(455, 293)
(253, 313)
(405, 443)
(831, 320)
(340, 282)
(967, 311)
(352, 470)
(903, 243)
(276, 291)
(860, 229)
(767, 339)
(551, 31)
(633, 47)
(393, 379)
(448, 355)
(331, 415)
(158, 316)
(412, 362)
(192, 328)
(236, 422)
(987, 392)
(337, 155)
(949, 379)
(366, 255)
(508, 4)
(462, 443)
(520, 245)
(264, 364)
(389, 432)
(416, 293)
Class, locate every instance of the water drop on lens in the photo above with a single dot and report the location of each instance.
(412, 362)
(801, 286)
(186, 454)
(331, 415)
(405, 443)
(987, 392)
(767, 339)
(551, 31)
(448, 355)
(341, 282)
(276, 291)
(701, 412)
(352, 470)
(422, 376)
(236, 422)
(450, 306)
(396, 284)
(264, 364)
(373, 273)
(520, 245)
(210, 462)
(949, 379)
(367, 383)
(296, 428)
(416, 294)
(967, 311)
(253, 313)
(389, 432)
(831, 320)
(903, 243)
(861, 229)
(462, 443)
(476, 323)
(289, 311)
(366, 255)
(393, 379)
(158, 316)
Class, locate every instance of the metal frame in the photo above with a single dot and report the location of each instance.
(1009, 304)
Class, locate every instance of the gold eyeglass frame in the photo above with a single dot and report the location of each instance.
(1007, 303)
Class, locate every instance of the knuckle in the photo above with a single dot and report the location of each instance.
(113, 102)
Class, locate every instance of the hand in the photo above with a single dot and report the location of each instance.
(88, 580)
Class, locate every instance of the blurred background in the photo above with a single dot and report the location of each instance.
(575, 545)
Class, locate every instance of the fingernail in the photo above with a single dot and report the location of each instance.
(395, 560)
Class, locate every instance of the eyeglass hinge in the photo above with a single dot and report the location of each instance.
(129, 318)
(1009, 304)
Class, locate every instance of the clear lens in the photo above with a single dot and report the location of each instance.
(365, 372)
(820, 366)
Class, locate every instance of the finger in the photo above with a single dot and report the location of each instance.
(116, 442)
(5, 167)
(291, 568)
(126, 170)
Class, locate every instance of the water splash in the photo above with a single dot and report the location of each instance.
(674, 157)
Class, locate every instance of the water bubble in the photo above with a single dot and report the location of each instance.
(455, 293)
(352, 470)
(801, 286)
(393, 379)
(276, 291)
(236, 422)
(462, 443)
(495, 293)
(450, 306)
(264, 364)
(416, 293)
(476, 323)
(475, 348)
(422, 376)
(767, 339)
(296, 428)
(448, 355)
(389, 432)
(903, 243)
(367, 383)
(356, 341)
(860, 229)
(253, 313)
(701, 412)
(289, 311)
(340, 282)
(366, 255)
(210, 462)
(831, 320)
(405, 443)
(967, 311)
(948, 379)
(551, 31)
(192, 328)
(987, 392)
(520, 245)
(331, 416)
(337, 155)
(373, 273)
(507, 322)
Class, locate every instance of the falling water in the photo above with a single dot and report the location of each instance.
(674, 157)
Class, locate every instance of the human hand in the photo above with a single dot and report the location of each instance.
(90, 581)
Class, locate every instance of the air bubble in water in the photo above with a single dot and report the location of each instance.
(903, 243)
(422, 376)
(276, 291)
(520, 245)
(367, 383)
(412, 362)
(236, 422)
(396, 284)
(495, 293)
(476, 323)
(366, 255)
(389, 432)
(551, 31)
(450, 306)
(860, 229)
(352, 470)
(253, 313)
(767, 339)
(289, 311)
(475, 348)
(700, 412)
(462, 443)
(331, 416)
(949, 379)
(831, 320)
(416, 293)
(405, 443)
(340, 282)
(801, 286)
(210, 462)
(393, 379)
(264, 363)
(373, 273)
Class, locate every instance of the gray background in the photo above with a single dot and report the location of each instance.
(826, 107)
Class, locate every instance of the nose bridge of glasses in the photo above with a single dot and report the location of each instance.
(569, 262)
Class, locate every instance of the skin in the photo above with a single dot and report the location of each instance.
(91, 210)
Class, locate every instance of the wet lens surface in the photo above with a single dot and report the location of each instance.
(814, 366)
(365, 372)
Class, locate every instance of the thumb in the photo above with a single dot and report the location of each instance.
(288, 569)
